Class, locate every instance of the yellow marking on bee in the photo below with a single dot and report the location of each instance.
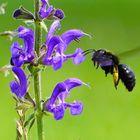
(115, 76)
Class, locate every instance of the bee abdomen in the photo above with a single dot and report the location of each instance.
(127, 76)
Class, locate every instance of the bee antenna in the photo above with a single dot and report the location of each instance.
(88, 51)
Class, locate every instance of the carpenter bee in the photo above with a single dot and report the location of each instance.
(109, 62)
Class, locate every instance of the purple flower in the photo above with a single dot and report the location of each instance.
(50, 11)
(21, 55)
(59, 14)
(19, 86)
(57, 45)
(56, 103)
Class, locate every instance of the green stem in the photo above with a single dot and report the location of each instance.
(37, 90)
(37, 76)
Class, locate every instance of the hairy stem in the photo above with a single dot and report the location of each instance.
(37, 76)
(37, 90)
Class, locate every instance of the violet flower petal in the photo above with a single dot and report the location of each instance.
(17, 58)
(57, 45)
(71, 35)
(19, 88)
(48, 11)
(58, 112)
(54, 41)
(76, 108)
(56, 103)
(21, 55)
(57, 61)
(72, 83)
(60, 88)
(14, 85)
(59, 58)
(15, 48)
(42, 11)
(78, 57)
(28, 37)
(44, 1)
(55, 25)
(17, 61)
(45, 12)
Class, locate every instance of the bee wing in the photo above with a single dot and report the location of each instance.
(103, 61)
(132, 52)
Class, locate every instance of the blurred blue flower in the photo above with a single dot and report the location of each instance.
(56, 103)
(57, 45)
(21, 55)
(50, 12)
(19, 86)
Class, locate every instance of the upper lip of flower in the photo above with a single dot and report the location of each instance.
(19, 86)
(28, 37)
(60, 43)
(56, 103)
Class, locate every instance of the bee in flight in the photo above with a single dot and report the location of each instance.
(110, 64)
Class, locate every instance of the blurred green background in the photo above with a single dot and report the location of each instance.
(108, 114)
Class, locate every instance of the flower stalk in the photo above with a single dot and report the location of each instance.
(37, 76)
(36, 56)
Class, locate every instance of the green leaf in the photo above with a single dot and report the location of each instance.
(24, 104)
(29, 98)
(44, 27)
(31, 125)
(8, 34)
(29, 22)
(5, 69)
(47, 114)
(2, 8)
(30, 118)
(19, 129)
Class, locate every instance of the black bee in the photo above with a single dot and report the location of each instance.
(110, 64)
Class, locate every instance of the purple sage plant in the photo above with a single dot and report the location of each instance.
(31, 57)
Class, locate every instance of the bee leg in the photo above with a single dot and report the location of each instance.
(94, 63)
(97, 65)
(106, 73)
